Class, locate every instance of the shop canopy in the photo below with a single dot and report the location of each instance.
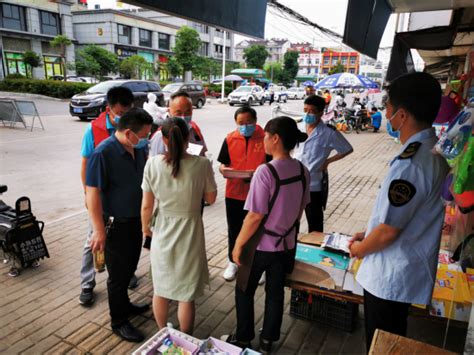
(305, 77)
(246, 17)
(247, 73)
(366, 19)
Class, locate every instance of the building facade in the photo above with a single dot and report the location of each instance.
(349, 60)
(309, 61)
(30, 25)
(276, 48)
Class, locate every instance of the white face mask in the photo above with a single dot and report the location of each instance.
(390, 120)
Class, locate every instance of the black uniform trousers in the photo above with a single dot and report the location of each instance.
(390, 316)
(315, 212)
(276, 265)
(235, 218)
(122, 252)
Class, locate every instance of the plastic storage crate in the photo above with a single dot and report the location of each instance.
(334, 313)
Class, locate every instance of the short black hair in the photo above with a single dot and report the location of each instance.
(120, 95)
(316, 101)
(134, 119)
(179, 93)
(418, 93)
(374, 108)
(245, 109)
(287, 130)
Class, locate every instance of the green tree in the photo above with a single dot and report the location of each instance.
(255, 56)
(61, 42)
(187, 47)
(96, 61)
(229, 66)
(273, 71)
(135, 67)
(173, 67)
(290, 67)
(32, 60)
(205, 67)
(338, 68)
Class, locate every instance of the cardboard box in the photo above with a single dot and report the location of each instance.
(190, 344)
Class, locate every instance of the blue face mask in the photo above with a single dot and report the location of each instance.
(309, 118)
(247, 129)
(142, 142)
(116, 119)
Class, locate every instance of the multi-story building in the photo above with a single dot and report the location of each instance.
(349, 60)
(126, 33)
(309, 60)
(30, 26)
(276, 48)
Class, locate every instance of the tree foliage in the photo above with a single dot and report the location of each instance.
(290, 67)
(61, 42)
(186, 48)
(135, 67)
(273, 71)
(206, 67)
(338, 68)
(255, 56)
(32, 60)
(173, 67)
(96, 61)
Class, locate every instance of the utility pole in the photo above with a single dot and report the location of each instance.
(223, 69)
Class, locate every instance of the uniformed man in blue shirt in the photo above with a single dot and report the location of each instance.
(113, 192)
(401, 245)
(315, 153)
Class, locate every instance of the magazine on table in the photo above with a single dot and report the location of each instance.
(337, 242)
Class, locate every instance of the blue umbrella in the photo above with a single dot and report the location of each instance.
(309, 83)
(346, 80)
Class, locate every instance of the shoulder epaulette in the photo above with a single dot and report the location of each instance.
(410, 150)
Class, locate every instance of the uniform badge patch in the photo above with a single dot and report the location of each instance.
(410, 150)
(400, 192)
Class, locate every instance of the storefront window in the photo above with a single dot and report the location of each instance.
(52, 66)
(15, 64)
(163, 41)
(13, 17)
(49, 23)
(353, 60)
(124, 34)
(326, 61)
(145, 38)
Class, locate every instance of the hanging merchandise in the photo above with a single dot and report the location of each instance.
(463, 184)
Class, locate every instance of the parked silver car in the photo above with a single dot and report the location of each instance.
(246, 95)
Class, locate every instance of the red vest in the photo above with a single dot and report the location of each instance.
(242, 159)
(196, 129)
(99, 128)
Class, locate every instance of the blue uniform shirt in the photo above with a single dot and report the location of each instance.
(317, 148)
(409, 199)
(118, 176)
(88, 139)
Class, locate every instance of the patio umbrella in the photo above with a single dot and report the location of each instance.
(232, 77)
(346, 80)
(309, 83)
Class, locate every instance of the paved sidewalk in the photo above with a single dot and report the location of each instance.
(39, 310)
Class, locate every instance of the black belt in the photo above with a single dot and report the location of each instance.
(122, 219)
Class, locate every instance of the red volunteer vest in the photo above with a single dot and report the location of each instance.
(242, 159)
(99, 128)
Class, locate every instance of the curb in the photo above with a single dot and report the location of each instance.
(12, 95)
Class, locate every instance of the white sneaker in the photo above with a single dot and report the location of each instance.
(169, 325)
(230, 271)
(262, 279)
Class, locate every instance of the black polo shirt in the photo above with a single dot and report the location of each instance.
(118, 176)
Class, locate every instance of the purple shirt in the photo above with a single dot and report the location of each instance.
(288, 205)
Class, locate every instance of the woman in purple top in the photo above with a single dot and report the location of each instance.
(278, 194)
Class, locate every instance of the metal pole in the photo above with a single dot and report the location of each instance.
(223, 69)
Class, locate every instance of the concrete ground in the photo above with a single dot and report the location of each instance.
(39, 310)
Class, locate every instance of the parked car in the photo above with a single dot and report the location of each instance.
(296, 93)
(92, 102)
(194, 90)
(279, 94)
(247, 95)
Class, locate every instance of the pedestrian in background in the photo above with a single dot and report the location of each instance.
(114, 176)
(119, 101)
(401, 245)
(315, 153)
(241, 150)
(278, 194)
(178, 182)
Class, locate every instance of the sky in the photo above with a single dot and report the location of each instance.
(327, 13)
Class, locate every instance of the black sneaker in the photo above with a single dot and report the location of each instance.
(128, 332)
(232, 339)
(265, 346)
(86, 297)
(133, 283)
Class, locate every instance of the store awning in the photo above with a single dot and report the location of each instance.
(246, 17)
(305, 77)
(248, 72)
